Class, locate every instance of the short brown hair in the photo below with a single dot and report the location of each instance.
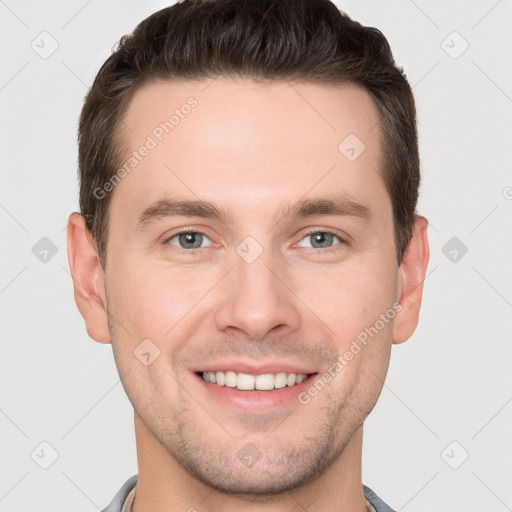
(295, 40)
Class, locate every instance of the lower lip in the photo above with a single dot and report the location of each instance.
(256, 399)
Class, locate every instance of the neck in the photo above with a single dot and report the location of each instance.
(165, 486)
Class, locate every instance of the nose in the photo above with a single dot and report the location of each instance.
(257, 298)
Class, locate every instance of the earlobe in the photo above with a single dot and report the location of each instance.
(88, 278)
(412, 274)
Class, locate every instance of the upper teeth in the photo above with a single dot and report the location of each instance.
(245, 381)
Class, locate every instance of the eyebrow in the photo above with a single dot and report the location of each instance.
(176, 207)
(332, 205)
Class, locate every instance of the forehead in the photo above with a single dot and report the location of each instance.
(248, 142)
(244, 111)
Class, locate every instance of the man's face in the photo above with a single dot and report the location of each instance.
(266, 287)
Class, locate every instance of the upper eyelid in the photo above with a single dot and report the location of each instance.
(167, 236)
(313, 231)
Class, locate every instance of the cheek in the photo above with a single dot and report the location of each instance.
(146, 304)
(349, 297)
(356, 302)
(153, 301)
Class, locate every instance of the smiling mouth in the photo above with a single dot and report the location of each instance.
(248, 382)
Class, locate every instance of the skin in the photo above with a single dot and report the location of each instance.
(254, 150)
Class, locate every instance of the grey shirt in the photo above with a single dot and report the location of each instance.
(117, 504)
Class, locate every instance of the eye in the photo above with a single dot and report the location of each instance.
(189, 240)
(321, 239)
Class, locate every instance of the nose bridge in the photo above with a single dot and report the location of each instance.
(255, 300)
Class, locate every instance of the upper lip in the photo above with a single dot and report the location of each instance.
(253, 368)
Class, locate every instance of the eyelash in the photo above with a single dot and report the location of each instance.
(200, 251)
(316, 250)
(186, 252)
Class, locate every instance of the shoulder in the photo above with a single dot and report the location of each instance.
(116, 505)
(375, 501)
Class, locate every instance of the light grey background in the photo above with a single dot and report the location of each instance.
(450, 382)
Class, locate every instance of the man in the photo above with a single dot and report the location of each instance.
(248, 244)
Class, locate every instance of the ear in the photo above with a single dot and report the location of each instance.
(88, 278)
(411, 275)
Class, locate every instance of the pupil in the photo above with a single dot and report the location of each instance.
(190, 238)
(322, 238)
